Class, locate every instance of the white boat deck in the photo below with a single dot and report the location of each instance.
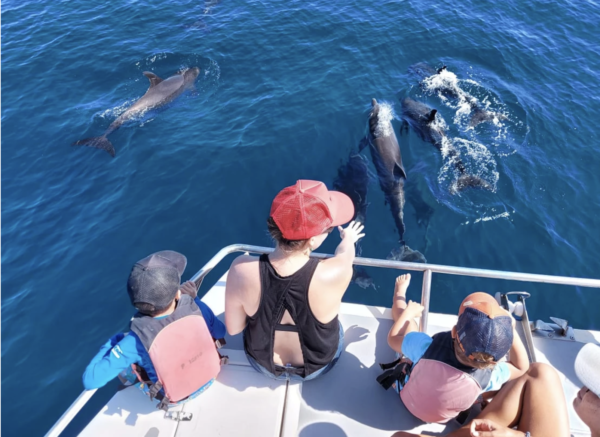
(347, 401)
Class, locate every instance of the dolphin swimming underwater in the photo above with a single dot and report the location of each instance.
(423, 70)
(159, 94)
(353, 179)
(421, 118)
(449, 88)
(385, 152)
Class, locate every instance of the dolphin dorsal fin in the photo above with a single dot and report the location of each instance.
(431, 115)
(399, 171)
(154, 79)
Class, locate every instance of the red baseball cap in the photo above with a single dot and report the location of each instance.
(308, 209)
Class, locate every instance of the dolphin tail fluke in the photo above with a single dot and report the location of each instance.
(98, 143)
(470, 181)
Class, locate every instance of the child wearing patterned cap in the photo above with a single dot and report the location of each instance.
(441, 376)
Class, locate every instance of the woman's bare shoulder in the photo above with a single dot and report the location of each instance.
(334, 270)
(244, 265)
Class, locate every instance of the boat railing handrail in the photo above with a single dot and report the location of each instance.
(427, 269)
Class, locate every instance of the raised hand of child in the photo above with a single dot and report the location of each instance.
(414, 309)
(189, 288)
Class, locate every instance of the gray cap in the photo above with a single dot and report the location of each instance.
(154, 280)
(587, 367)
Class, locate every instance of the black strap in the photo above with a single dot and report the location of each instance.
(153, 389)
(163, 404)
(396, 371)
(387, 379)
(220, 342)
(288, 328)
(386, 366)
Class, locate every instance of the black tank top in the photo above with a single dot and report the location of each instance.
(319, 341)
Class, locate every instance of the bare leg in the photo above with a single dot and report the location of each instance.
(544, 405)
(402, 325)
(534, 402)
(399, 302)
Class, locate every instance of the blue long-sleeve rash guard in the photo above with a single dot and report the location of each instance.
(121, 351)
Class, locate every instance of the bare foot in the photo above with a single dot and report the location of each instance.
(402, 283)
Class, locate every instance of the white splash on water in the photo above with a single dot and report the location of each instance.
(476, 158)
(442, 81)
(487, 218)
(497, 216)
(113, 113)
(384, 120)
(116, 111)
(451, 91)
(446, 147)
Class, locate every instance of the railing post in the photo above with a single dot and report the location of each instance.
(425, 294)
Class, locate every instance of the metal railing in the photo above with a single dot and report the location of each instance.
(427, 269)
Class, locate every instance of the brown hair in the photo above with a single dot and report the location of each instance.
(284, 243)
(481, 360)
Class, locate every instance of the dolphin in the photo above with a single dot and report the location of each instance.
(361, 278)
(421, 118)
(385, 152)
(209, 4)
(159, 94)
(451, 90)
(423, 70)
(353, 179)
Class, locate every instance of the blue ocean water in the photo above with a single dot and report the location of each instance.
(284, 94)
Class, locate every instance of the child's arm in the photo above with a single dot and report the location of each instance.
(518, 362)
(517, 365)
(215, 326)
(404, 325)
(115, 356)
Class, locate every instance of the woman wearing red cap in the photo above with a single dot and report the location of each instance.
(287, 303)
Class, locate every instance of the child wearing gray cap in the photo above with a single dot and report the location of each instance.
(170, 350)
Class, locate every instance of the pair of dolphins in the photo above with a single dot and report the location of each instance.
(448, 87)
(421, 118)
(353, 177)
(160, 93)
